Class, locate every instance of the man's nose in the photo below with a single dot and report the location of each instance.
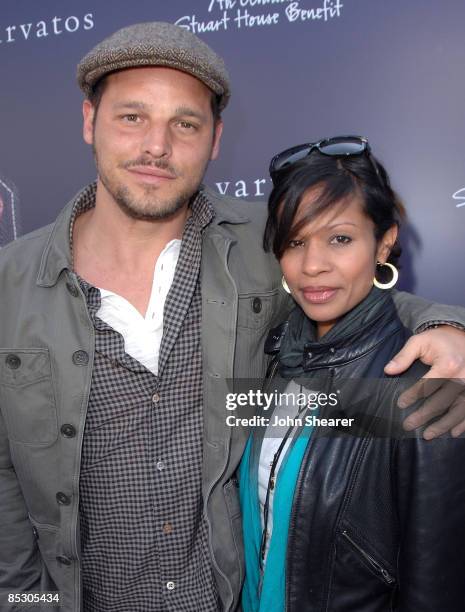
(157, 140)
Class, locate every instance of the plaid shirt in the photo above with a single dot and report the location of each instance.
(144, 535)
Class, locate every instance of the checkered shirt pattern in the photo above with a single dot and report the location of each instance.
(144, 535)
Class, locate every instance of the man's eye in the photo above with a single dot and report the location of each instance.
(186, 125)
(131, 118)
(340, 240)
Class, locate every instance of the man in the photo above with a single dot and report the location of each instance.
(122, 323)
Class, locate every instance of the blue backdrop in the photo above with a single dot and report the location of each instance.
(301, 70)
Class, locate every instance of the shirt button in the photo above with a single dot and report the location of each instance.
(80, 358)
(155, 398)
(68, 431)
(72, 289)
(167, 528)
(257, 305)
(170, 585)
(160, 466)
(63, 499)
(13, 361)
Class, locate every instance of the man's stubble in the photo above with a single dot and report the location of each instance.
(149, 207)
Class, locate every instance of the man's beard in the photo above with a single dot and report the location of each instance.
(148, 207)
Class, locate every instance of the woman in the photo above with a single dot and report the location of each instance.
(352, 516)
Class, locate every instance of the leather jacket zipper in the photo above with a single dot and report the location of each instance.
(379, 568)
(297, 495)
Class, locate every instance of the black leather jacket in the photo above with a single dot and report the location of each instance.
(378, 519)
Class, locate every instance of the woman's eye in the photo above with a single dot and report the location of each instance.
(340, 240)
(293, 244)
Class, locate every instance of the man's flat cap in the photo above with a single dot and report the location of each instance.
(155, 44)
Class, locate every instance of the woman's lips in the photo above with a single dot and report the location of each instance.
(318, 295)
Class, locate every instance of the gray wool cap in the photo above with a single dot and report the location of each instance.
(155, 44)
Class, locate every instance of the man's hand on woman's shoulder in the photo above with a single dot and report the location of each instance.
(443, 348)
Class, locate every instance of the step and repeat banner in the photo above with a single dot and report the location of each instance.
(301, 70)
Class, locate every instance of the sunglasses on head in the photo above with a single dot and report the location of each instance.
(339, 146)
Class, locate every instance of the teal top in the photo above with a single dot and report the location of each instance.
(266, 593)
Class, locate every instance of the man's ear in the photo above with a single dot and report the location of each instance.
(88, 114)
(216, 138)
(386, 243)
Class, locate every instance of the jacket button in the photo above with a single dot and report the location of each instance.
(64, 560)
(72, 289)
(63, 499)
(167, 528)
(13, 361)
(68, 431)
(35, 532)
(80, 358)
(257, 305)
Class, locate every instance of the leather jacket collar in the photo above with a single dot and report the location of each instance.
(361, 330)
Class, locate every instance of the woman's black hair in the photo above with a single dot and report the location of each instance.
(339, 178)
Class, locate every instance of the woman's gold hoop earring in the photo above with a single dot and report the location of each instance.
(392, 282)
(285, 285)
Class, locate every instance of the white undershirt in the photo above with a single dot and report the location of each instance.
(142, 335)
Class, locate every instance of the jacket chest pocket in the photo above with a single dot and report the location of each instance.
(254, 317)
(255, 311)
(27, 400)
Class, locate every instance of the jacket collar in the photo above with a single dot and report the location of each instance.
(57, 256)
(227, 210)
